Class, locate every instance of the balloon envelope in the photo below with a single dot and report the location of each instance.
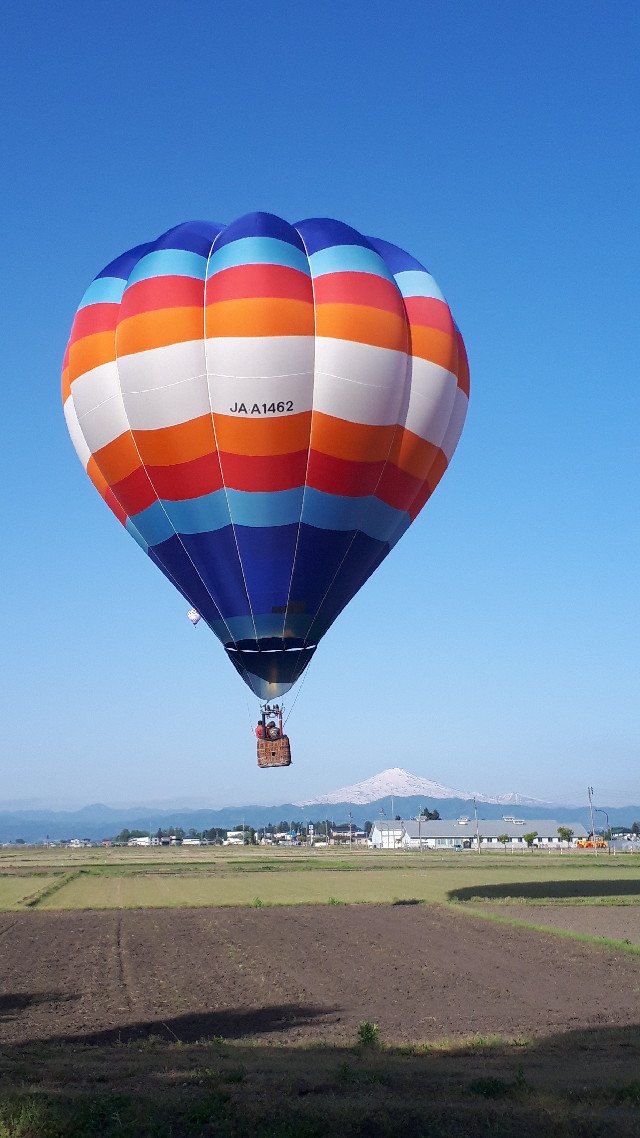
(266, 407)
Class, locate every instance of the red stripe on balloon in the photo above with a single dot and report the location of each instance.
(135, 492)
(245, 281)
(115, 506)
(260, 474)
(358, 288)
(342, 476)
(93, 318)
(161, 292)
(185, 480)
(430, 313)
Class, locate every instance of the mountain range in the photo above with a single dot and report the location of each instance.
(398, 783)
(392, 792)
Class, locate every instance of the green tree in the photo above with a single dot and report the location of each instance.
(530, 838)
(635, 829)
(430, 815)
(504, 838)
(565, 834)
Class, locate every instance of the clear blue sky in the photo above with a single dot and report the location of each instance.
(498, 142)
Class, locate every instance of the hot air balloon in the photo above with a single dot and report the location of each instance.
(266, 408)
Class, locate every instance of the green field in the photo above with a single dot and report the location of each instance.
(139, 878)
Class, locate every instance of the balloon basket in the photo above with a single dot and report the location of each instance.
(274, 752)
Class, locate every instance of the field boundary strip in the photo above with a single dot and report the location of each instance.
(554, 930)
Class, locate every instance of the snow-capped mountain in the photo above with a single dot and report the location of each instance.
(398, 783)
(512, 799)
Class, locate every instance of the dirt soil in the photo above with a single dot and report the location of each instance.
(303, 974)
(619, 922)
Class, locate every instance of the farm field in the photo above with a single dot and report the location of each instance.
(613, 922)
(216, 992)
(124, 878)
(311, 1020)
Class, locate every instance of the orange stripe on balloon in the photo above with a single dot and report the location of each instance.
(273, 436)
(105, 491)
(66, 384)
(413, 454)
(362, 324)
(438, 347)
(166, 446)
(117, 459)
(158, 328)
(257, 316)
(357, 441)
(90, 352)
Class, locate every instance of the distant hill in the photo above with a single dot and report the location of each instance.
(393, 791)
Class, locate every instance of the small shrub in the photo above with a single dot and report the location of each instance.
(257, 903)
(368, 1034)
(335, 901)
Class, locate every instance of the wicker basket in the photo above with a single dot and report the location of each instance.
(274, 752)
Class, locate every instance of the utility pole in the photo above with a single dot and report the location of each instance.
(350, 833)
(593, 828)
(475, 814)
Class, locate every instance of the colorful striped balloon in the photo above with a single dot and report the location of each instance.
(266, 407)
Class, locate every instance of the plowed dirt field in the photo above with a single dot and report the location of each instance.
(301, 974)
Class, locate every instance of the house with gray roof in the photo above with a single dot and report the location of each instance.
(461, 833)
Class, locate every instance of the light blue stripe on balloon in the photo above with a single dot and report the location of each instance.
(278, 508)
(104, 290)
(169, 263)
(210, 512)
(199, 515)
(136, 535)
(348, 259)
(258, 251)
(153, 524)
(414, 283)
(369, 515)
(402, 527)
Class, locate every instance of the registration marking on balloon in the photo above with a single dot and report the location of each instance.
(262, 409)
(266, 408)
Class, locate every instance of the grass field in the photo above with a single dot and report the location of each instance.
(15, 891)
(132, 878)
(160, 1089)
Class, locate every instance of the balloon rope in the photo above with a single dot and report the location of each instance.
(306, 672)
(249, 715)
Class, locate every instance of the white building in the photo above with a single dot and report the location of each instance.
(461, 833)
(387, 835)
(234, 838)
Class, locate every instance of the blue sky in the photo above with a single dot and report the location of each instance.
(497, 647)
